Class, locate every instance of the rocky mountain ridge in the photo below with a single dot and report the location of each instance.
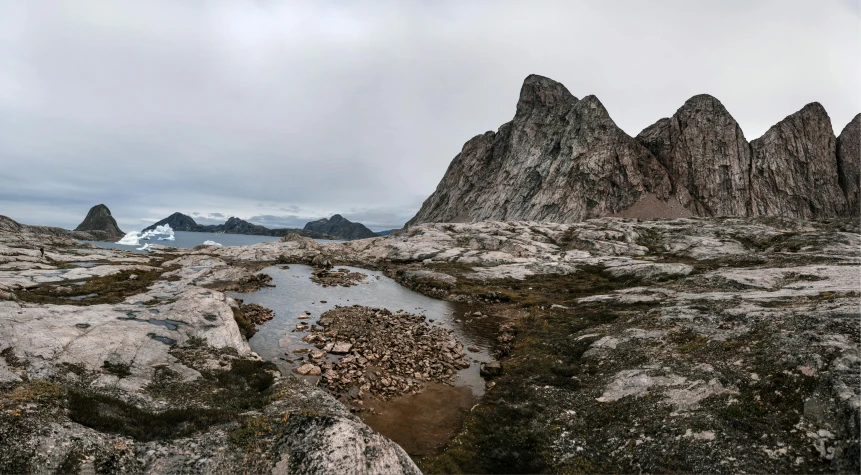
(341, 228)
(233, 225)
(100, 223)
(563, 159)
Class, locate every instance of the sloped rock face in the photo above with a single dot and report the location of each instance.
(794, 168)
(99, 219)
(705, 152)
(559, 159)
(848, 164)
(341, 228)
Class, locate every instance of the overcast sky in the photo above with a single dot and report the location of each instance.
(280, 112)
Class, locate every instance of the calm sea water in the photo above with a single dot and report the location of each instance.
(188, 240)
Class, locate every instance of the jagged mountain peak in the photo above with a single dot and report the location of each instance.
(541, 93)
(563, 159)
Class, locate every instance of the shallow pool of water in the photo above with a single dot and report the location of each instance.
(294, 294)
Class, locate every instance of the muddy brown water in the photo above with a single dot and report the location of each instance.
(420, 423)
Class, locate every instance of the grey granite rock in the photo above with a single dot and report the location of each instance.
(564, 160)
(794, 168)
(705, 152)
(849, 164)
(560, 159)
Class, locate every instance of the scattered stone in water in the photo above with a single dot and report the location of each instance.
(342, 277)
(490, 369)
(313, 338)
(341, 347)
(308, 369)
(303, 317)
(301, 327)
(302, 350)
(473, 349)
(318, 354)
(257, 314)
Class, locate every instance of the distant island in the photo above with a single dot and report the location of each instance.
(340, 226)
(336, 228)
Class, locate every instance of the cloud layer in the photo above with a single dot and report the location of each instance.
(285, 112)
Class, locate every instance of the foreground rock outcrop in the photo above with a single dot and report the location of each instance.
(118, 362)
(564, 160)
(684, 345)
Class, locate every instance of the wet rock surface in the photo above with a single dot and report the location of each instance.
(385, 354)
(343, 277)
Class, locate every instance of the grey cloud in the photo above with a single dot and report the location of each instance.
(305, 109)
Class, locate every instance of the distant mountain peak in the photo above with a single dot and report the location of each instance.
(99, 219)
(341, 228)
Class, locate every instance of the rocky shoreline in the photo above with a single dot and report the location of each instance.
(626, 345)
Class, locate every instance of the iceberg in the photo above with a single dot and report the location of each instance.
(211, 243)
(164, 233)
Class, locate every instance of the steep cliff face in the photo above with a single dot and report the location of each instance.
(704, 151)
(794, 168)
(562, 159)
(559, 159)
(99, 220)
(849, 163)
(340, 228)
